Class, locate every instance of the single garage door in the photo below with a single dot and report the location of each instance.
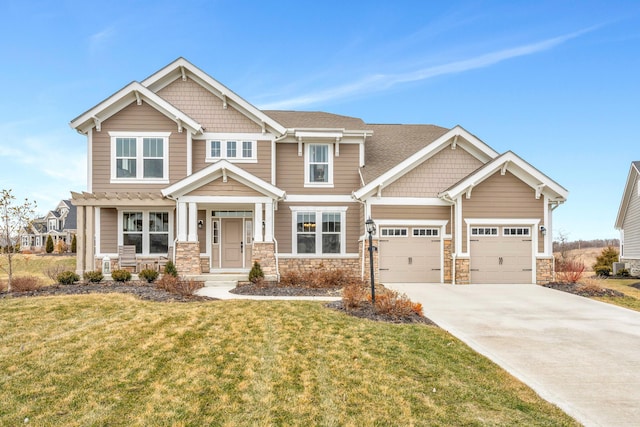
(409, 255)
(501, 255)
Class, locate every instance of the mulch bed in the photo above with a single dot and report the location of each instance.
(141, 289)
(584, 290)
(635, 285)
(271, 289)
(366, 311)
(148, 291)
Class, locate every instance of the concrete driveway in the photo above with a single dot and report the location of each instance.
(582, 355)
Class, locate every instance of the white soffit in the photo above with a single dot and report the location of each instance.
(133, 92)
(511, 162)
(469, 142)
(181, 68)
(219, 169)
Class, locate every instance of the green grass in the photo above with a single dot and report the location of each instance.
(116, 360)
(631, 300)
(35, 265)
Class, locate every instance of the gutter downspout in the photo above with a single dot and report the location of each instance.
(447, 198)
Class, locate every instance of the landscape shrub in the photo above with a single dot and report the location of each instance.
(319, 279)
(170, 268)
(121, 275)
(569, 271)
(395, 304)
(623, 273)
(354, 294)
(256, 274)
(148, 275)
(93, 276)
(602, 270)
(167, 282)
(67, 278)
(179, 286)
(52, 271)
(60, 247)
(49, 245)
(25, 284)
(604, 262)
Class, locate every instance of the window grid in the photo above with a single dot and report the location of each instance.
(139, 157)
(231, 150)
(425, 232)
(319, 163)
(394, 232)
(516, 231)
(484, 231)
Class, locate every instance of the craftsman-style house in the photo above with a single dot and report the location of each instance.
(59, 223)
(181, 167)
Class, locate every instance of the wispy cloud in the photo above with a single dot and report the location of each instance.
(380, 82)
(99, 39)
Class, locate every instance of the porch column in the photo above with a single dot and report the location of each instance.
(268, 220)
(193, 222)
(182, 222)
(257, 223)
(80, 237)
(89, 239)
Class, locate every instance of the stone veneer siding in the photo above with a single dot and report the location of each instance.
(376, 265)
(188, 258)
(448, 260)
(633, 265)
(312, 265)
(462, 271)
(264, 254)
(544, 270)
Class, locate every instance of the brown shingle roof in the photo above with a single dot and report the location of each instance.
(315, 120)
(391, 144)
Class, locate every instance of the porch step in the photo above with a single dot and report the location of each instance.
(221, 279)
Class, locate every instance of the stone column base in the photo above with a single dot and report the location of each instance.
(462, 271)
(188, 258)
(265, 254)
(544, 270)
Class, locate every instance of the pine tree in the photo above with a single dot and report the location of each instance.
(73, 244)
(49, 246)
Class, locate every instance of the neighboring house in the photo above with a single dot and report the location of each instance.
(181, 166)
(59, 223)
(628, 221)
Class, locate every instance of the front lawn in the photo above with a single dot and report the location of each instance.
(36, 265)
(631, 299)
(116, 360)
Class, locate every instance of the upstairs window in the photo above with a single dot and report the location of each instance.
(140, 157)
(236, 151)
(318, 165)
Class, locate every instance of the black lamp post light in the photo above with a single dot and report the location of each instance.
(371, 229)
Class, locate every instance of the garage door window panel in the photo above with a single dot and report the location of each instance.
(516, 231)
(394, 232)
(425, 232)
(484, 231)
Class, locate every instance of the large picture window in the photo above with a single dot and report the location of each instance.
(147, 231)
(319, 231)
(139, 157)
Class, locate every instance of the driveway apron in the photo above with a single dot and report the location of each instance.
(579, 354)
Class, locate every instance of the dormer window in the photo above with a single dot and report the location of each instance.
(53, 224)
(233, 150)
(318, 165)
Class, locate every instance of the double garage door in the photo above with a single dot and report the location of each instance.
(501, 255)
(410, 255)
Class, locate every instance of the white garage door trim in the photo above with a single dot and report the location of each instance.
(503, 223)
(409, 226)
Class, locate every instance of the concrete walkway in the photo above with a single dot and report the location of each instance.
(222, 292)
(579, 354)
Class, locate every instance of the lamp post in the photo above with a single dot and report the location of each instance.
(371, 229)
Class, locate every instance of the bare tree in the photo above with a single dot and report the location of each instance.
(13, 216)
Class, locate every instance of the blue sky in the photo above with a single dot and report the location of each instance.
(557, 82)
